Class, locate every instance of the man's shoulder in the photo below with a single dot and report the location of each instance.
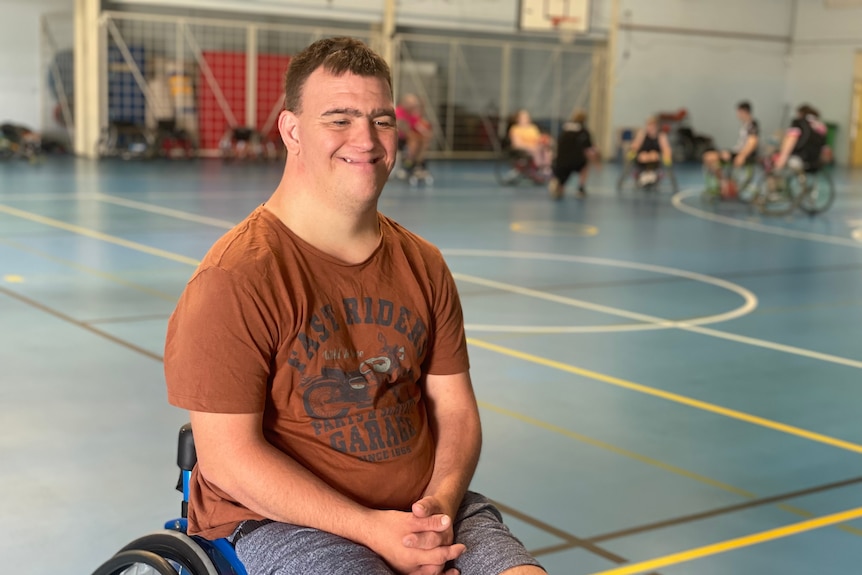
(410, 241)
(249, 245)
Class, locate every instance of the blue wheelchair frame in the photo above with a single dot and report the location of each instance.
(148, 550)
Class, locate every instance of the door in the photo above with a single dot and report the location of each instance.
(856, 125)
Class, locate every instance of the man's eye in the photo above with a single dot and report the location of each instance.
(341, 122)
(385, 123)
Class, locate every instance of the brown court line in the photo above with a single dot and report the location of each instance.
(571, 540)
(571, 543)
(82, 325)
(129, 318)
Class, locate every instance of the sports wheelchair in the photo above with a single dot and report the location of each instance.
(172, 551)
(646, 178)
(808, 187)
(729, 183)
(514, 166)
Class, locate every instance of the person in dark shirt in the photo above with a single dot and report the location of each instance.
(574, 152)
(745, 150)
(803, 143)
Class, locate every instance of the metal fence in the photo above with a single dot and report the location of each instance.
(57, 65)
(208, 76)
(472, 88)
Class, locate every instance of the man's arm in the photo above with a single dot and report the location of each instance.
(747, 149)
(787, 146)
(454, 418)
(233, 455)
(666, 152)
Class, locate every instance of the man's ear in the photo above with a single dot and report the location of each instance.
(288, 128)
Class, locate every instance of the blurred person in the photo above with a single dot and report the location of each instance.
(803, 143)
(414, 134)
(649, 149)
(320, 349)
(574, 152)
(525, 136)
(746, 148)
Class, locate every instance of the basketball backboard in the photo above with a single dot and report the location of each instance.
(544, 15)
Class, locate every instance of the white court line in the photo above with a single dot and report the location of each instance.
(648, 321)
(678, 203)
(170, 212)
(689, 326)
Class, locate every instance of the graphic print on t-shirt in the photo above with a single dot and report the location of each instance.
(362, 400)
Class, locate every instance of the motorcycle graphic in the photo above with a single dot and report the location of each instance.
(336, 391)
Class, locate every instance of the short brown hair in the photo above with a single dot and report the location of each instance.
(338, 56)
(579, 116)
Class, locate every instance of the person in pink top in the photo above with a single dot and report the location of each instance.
(414, 133)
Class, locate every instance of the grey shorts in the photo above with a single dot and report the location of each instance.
(285, 549)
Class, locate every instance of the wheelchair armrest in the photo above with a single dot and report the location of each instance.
(186, 454)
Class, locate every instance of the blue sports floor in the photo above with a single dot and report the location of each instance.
(665, 387)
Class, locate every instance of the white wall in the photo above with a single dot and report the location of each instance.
(20, 58)
(821, 68)
(663, 71)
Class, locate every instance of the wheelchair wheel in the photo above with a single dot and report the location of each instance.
(627, 178)
(136, 563)
(819, 193)
(744, 178)
(671, 180)
(179, 549)
(777, 196)
(509, 169)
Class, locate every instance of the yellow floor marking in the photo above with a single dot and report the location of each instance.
(618, 450)
(676, 398)
(89, 270)
(98, 235)
(551, 228)
(13, 279)
(738, 543)
(648, 460)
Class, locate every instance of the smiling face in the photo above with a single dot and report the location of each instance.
(343, 141)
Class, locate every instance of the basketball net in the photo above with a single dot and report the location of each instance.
(567, 28)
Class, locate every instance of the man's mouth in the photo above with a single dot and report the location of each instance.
(357, 161)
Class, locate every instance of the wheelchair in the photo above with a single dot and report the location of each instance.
(729, 183)
(653, 178)
(514, 166)
(172, 551)
(807, 187)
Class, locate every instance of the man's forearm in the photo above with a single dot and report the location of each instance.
(459, 441)
(271, 484)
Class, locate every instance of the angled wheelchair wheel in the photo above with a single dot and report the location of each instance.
(745, 185)
(627, 179)
(179, 549)
(819, 193)
(778, 196)
(136, 562)
(509, 169)
(670, 176)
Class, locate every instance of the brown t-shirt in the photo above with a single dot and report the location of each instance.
(332, 354)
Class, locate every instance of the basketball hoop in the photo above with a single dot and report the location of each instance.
(567, 27)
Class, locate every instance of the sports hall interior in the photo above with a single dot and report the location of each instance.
(666, 384)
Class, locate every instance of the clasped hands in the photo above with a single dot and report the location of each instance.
(417, 542)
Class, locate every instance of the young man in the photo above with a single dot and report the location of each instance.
(745, 150)
(574, 151)
(802, 147)
(320, 348)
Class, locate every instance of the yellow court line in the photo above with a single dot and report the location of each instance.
(618, 450)
(98, 235)
(88, 270)
(648, 460)
(669, 396)
(732, 544)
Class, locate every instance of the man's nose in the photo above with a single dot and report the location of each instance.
(364, 137)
